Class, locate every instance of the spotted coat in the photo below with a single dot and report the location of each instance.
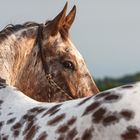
(110, 115)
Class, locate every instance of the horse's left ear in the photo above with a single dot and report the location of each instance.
(58, 21)
(70, 18)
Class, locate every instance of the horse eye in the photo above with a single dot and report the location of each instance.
(68, 65)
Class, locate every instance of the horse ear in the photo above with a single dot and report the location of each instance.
(58, 21)
(70, 18)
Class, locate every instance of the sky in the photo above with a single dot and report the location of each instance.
(106, 32)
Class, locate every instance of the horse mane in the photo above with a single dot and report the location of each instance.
(17, 27)
(10, 29)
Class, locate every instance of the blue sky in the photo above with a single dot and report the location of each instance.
(106, 32)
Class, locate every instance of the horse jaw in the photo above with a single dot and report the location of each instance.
(86, 85)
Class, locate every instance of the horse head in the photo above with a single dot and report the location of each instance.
(53, 70)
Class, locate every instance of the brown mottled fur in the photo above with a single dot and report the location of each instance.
(21, 63)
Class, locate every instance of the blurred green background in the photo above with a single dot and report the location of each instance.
(108, 82)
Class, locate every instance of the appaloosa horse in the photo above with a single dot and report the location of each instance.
(41, 61)
(110, 115)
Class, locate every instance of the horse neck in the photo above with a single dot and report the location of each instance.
(21, 65)
(14, 52)
(30, 79)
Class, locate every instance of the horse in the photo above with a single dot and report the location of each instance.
(42, 62)
(111, 115)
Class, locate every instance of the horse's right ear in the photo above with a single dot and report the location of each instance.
(70, 18)
(58, 21)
